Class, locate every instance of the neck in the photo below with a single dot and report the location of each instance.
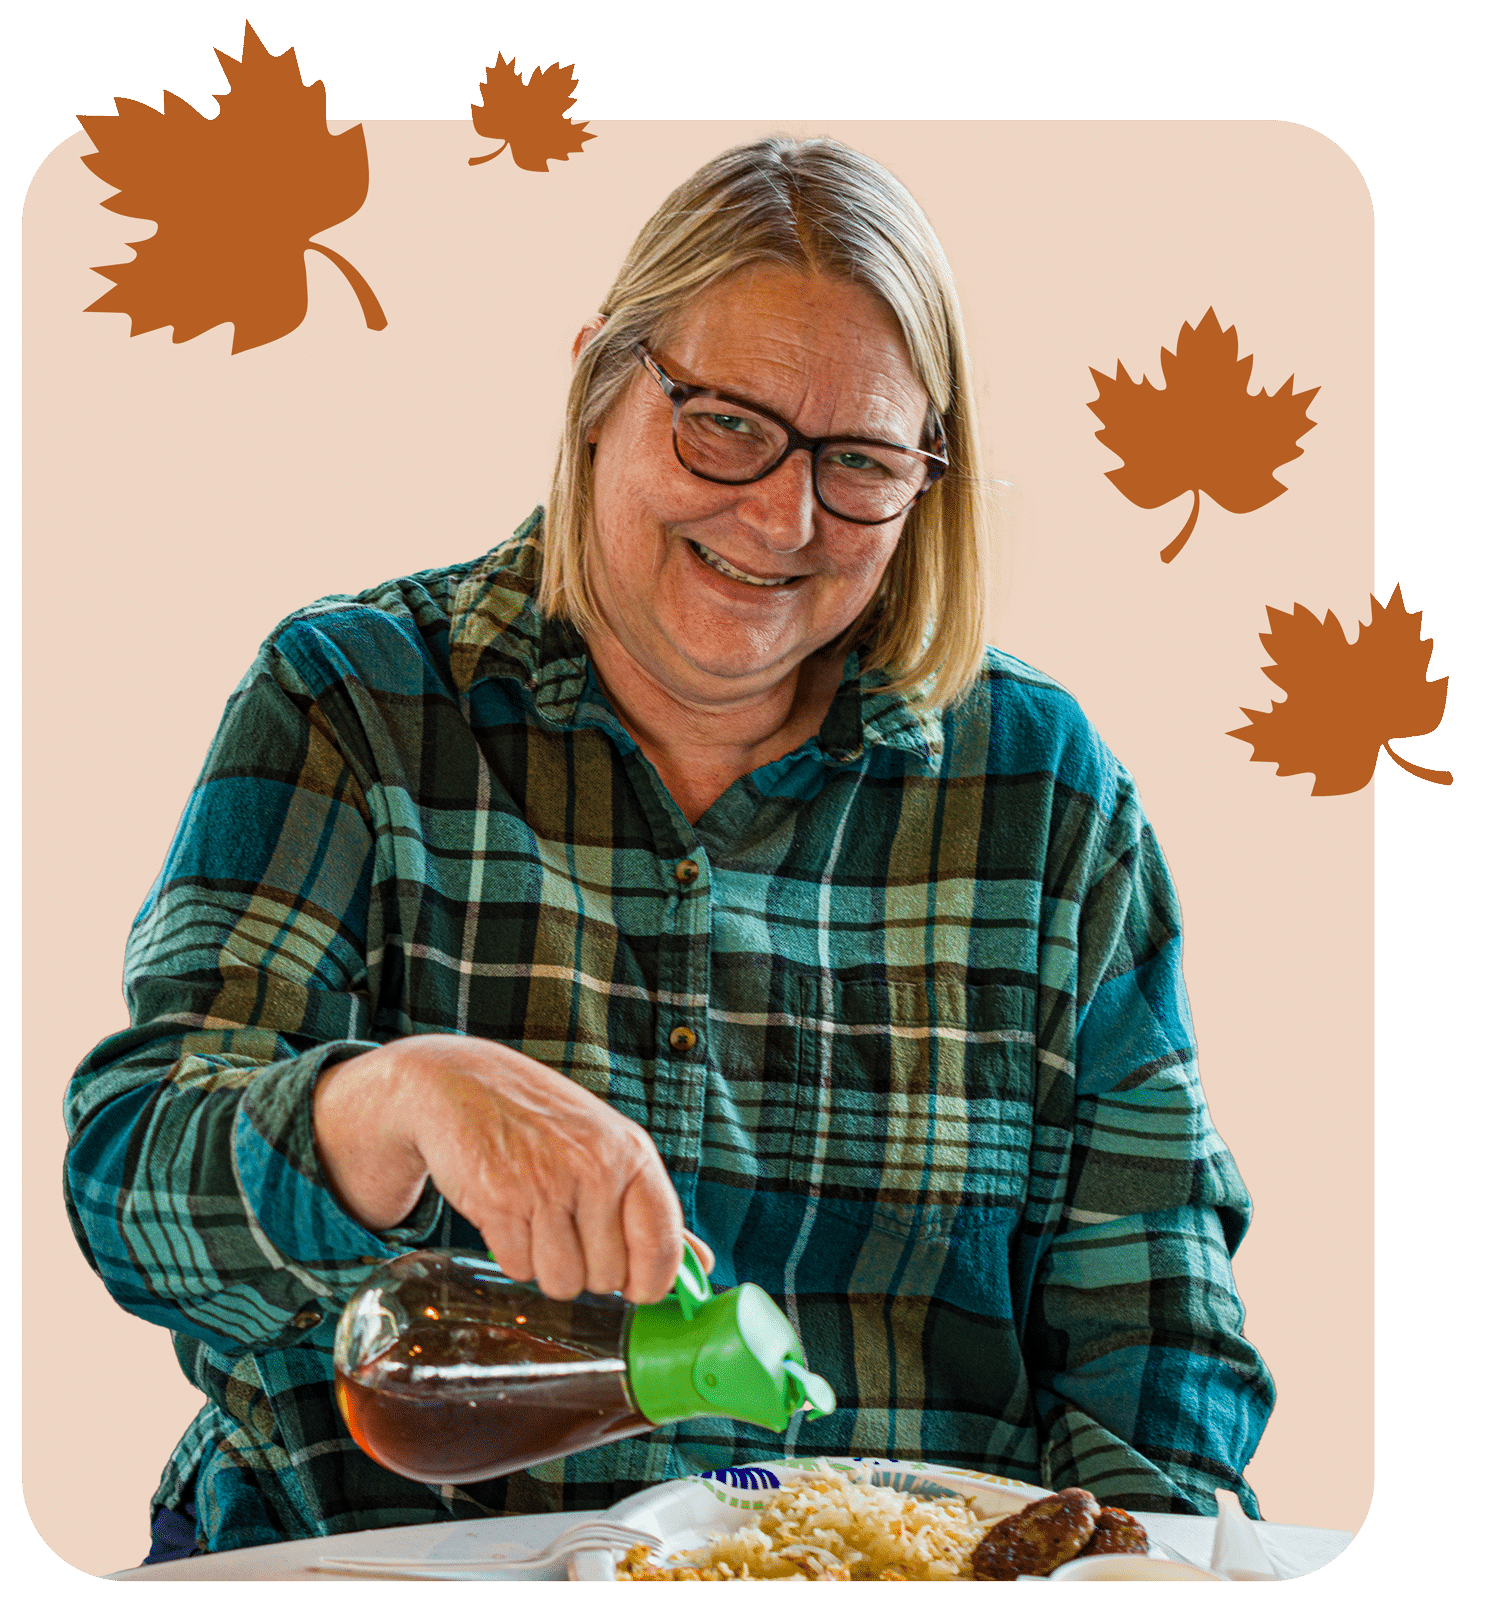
(700, 743)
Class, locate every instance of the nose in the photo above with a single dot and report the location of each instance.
(781, 506)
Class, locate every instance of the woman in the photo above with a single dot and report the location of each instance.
(686, 863)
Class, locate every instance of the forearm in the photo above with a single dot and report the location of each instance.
(1147, 1391)
(362, 1130)
(193, 1189)
(193, 1175)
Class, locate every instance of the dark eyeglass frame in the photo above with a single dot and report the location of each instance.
(680, 393)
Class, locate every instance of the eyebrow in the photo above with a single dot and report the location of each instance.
(721, 393)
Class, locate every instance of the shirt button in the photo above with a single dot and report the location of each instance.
(686, 871)
(682, 1038)
(308, 1318)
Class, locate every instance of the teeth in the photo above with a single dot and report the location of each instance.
(730, 571)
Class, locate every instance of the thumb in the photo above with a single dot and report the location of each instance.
(701, 1249)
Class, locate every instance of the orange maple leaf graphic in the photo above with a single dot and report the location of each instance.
(1345, 703)
(236, 198)
(1202, 430)
(528, 115)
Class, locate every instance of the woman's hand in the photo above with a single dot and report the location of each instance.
(564, 1189)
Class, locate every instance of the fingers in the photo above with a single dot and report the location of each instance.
(557, 1255)
(509, 1242)
(566, 1254)
(603, 1236)
(564, 1188)
(652, 1220)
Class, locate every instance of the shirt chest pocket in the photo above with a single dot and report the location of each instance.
(914, 1100)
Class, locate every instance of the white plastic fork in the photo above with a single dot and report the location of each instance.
(577, 1538)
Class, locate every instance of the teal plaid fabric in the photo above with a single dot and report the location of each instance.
(943, 1104)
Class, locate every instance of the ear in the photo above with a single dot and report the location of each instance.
(587, 332)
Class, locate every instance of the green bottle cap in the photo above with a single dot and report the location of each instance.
(734, 1355)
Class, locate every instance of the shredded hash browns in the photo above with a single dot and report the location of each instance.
(828, 1527)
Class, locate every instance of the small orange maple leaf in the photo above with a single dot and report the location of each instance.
(1345, 703)
(1203, 430)
(236, 198)
(528, 115)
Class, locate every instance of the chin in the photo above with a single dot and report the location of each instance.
(737, 659)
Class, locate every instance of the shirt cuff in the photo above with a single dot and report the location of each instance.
(284, 1191)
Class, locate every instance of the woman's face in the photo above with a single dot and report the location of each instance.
(829, 357)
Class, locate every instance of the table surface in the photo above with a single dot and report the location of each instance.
(1293, 1548)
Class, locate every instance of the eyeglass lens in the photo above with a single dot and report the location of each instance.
(864, 482)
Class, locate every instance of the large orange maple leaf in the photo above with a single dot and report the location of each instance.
(1202, 430)
(236, 198)
(1345, 703)
(528, 115)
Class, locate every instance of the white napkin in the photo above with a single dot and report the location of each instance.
(1238, 1553)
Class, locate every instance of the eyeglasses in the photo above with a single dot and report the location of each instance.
(731, 441)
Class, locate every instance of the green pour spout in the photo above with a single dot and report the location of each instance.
(733, 1354)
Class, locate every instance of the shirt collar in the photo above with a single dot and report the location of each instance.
(866, 712)
(498, 632)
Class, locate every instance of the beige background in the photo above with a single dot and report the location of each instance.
(180, 501)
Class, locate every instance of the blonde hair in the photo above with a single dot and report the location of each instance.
(814, 206)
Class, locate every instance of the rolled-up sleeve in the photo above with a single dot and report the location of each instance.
(192, 1175)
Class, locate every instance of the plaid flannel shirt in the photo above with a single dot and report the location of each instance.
(942, 1103)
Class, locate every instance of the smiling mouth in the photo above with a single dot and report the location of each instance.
(729, 570)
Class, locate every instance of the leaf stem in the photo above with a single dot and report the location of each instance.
(1182, 538)
(374, 316)
(1430, 774)
(479, 161)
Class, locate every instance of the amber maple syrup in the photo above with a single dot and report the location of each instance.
(461, 1402)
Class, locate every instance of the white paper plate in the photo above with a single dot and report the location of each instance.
(689, 1513)
(1128, 1566)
